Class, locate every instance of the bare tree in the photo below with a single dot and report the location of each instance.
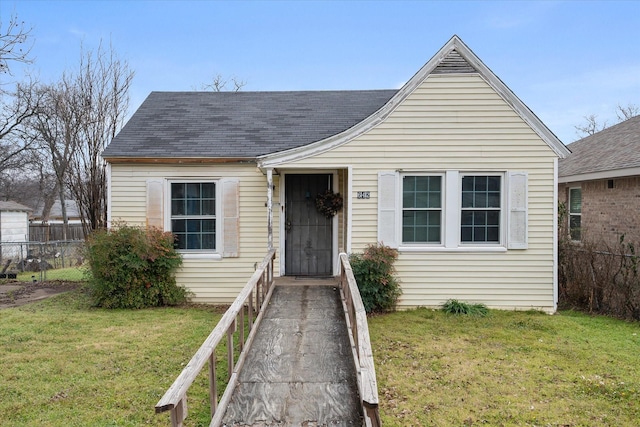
(16, 108)
(57, 127)
(104, 81)
(28, 187)
(625, 113)
(18, 101)
(590, 127)
(14, 36)
(78, 117)
(219, 84)
(40, 168)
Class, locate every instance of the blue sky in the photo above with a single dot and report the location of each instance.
(564, 59)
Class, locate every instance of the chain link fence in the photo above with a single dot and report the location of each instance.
(42, 261)
(600, 277)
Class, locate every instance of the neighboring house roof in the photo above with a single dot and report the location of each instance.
(239, 124)
(10, 206)
(610, 153)
(277, 126)
(56, 211)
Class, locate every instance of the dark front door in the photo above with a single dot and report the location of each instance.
(308, 239)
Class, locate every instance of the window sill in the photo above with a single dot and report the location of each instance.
(200, 255)
(456, 249)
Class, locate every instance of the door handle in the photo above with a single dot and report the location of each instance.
(287, 225)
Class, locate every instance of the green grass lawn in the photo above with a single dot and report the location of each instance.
(67, 364)
(72, 274)
(64, 363)
(506, 369)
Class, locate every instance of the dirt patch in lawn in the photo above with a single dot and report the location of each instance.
(14, 294)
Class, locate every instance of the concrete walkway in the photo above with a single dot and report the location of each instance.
(299, 370)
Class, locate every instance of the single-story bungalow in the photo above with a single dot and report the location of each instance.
(452, 170)
(600, 184)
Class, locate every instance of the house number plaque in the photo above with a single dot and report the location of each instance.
(364, 194)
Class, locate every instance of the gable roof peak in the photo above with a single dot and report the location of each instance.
(453, 63)
(453, 57)
(456, 44)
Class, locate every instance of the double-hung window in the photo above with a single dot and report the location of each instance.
(575, 213)
(481, 209)
(453, 210)
(193, 215)
(422, 209)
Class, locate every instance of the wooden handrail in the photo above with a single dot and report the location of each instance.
(175, 398)
(359, 331)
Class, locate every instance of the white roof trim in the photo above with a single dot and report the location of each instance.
(616, 173)
(455, 43)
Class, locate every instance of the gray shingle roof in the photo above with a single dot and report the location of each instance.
(55, 212)
(614, 148)
(7, 206)
(239, 124)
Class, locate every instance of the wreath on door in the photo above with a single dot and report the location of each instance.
(329, 203)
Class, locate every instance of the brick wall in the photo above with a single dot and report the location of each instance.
(609, 212)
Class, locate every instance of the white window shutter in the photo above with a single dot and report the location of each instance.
(230, 217)
(155, 203)
(387, 208)
(517, 211)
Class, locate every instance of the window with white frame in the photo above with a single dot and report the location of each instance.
(421, 209)
(575, 213)
(480, 209)
(453, 210)
(193, 215)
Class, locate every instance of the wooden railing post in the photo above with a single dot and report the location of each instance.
(175, 398)
(359, 329)
(250, 310)
(230, 331)
(179, 413)
(213, 384)
(258, 294)
(241, 322)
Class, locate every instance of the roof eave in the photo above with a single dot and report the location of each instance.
(178, 160)
(511, 98)
(607, 174)
(315, 148)
(14, 208)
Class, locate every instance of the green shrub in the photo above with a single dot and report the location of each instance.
(133, 267)
(373, 271)
(453, 306)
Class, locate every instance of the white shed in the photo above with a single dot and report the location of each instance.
(14, 227)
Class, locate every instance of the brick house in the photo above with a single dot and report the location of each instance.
(600, 184)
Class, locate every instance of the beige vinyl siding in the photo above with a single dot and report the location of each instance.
(456, 122)
(211, 281)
